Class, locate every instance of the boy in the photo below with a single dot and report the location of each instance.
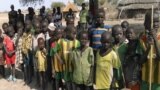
(36, 36)
(5, 28)
(41, 55)
(134, 58)
(124, 26)
(10, 56)
(82, 60)
(120, 48)
(27, 51)
(18, 43)
(97, 30)
(57, 62)
(106, 60)
(83, 17)
(151, 38)
(67, 45)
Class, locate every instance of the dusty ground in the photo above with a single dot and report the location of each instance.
(20, 85)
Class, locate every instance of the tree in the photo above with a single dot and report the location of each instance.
(30, 2)
(79, 2)
(57, 4)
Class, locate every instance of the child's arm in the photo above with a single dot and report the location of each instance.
(155, 42)
(92, 66)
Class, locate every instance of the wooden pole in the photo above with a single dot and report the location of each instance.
(151, 55)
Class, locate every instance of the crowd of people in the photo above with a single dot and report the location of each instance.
(99, 57)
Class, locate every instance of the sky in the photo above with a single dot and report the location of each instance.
(5, 4)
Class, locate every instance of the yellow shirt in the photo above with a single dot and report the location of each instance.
(146, 68)
(104, 69)
(41, 61)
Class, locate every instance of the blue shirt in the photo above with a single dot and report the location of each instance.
(95, 35)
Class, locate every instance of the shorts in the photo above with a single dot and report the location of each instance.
(10, 60)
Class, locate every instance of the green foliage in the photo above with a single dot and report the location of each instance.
(57, 4)
(79, 2)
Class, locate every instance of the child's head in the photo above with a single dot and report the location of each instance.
(5, 27)
(147, 22)
(130, 34)
(117, 33)
(11, 31)
(51, 29)
(106, 40)
(70, 32)
(100, 16)
(83, 6)
(28, 25)
(58, 33)
(124, 25)
(83, 38)
(19, 11)
(37, 27)
(45, 26)
(41, 43)
(19, 25)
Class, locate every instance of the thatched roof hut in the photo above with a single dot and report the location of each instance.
(72, 6)
(133, 7)
(138, 4)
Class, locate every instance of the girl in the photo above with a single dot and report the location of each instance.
(106, 60)
(41, 61)
(82, 62)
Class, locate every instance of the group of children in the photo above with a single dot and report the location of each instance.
(102, 58)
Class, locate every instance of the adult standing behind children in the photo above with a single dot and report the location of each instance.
(151, 37)
(20, 16)
(58, 17)
(83, 17)
(12, 17)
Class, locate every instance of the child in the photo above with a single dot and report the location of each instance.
(67, 45)
(120, 48)
(134, 58)
(27, 51)
(124, 26)
(106, 60)
(41, 61)
(57, 62)
(2, 60)
(10, 52)
(82, 64)
(152, 37)
(36, 36)
(18, 43)
(5, 28)
(97, 30)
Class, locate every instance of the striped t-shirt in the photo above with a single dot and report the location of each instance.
(95, 35)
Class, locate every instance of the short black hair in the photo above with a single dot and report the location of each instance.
(5, 24)
(69, 29)
(115, 27)
(81, 33)
(125, 22)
